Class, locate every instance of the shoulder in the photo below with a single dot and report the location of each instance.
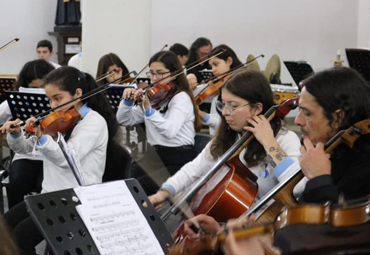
(180, 98)
(94, 118)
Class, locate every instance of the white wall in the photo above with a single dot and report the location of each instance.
(29, 20)
(294, 29)
(363, 34)
(118, 26)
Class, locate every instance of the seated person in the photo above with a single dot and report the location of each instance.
(44, 51)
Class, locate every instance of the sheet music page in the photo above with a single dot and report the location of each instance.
(70, 155)
(115, 221)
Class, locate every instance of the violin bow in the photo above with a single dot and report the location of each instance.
(9, 44)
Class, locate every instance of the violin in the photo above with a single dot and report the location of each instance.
(228, 184)
(210, 90)
(55, 122)
(335, 215)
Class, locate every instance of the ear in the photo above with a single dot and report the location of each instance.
(229, 61)
(78, 93)
(258, 107)
(338, 117)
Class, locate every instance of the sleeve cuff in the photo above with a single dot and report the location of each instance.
(149, 112)
(284, 164)
(42, 140)
(169, 187)
(206, 118)
(319, 181)
(128, 102)
(15, 136)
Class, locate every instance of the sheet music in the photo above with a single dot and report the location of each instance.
(70, 155)
(115, 221)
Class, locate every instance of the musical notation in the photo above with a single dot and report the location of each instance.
(115, 221)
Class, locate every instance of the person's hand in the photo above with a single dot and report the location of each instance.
(192, 80)
(314, 161)
(12, 127)
(261, 128)
(36, 129)
(158, 198)
(207, 225)
(128, 94)
(202, 114)
(242, 246)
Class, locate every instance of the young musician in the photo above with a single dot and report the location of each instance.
(44, 50)
(200, 48)
(331, 100)
(25, 172)
(170, 128)
(91, 137)
(111, 62)
(220, 64)
(181, 52)
(271, 156)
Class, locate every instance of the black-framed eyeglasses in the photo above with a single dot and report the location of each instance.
(158, 75)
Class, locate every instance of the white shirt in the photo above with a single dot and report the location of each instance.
(267, 179)
(173, 128)
(89, 139)
(76, 61)
(212, 119)
(56, 66)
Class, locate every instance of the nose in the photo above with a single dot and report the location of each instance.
(299, 120)
(214, 69)
(53, 104)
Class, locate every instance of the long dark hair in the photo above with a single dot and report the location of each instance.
(172, 63)
(33, 70)
(228, 53)
(193, 52)
(345, 89)
(253, 87)
(105, 62)
(69, 79)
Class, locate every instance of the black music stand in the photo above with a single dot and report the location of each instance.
(359, 59)
(206, 74)
(5, 85)
(25, 105)
(56, 217)
(299, 70)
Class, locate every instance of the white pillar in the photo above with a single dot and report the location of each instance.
(122, 27)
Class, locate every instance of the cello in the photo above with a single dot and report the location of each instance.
(226, 185)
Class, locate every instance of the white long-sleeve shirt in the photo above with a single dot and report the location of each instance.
(212, 119)
(89, 139)
(173, 128)
(267, 176)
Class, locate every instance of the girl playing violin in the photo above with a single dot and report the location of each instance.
(90, 138)
(246, 95)
(25, 172)
(220, 64)
(108, 63)
(170, 129)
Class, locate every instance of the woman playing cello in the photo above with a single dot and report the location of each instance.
(271, 156)
(170, 128)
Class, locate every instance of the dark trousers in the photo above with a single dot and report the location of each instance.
(159, 163)
(25, 176)
(23, 230)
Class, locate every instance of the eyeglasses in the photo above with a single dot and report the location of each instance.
(229, 109)
(158, 75)
(203, 53)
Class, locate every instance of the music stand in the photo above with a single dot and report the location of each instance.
(56, 217)
(359, 59)
(25, 105)
(299, 70)
(5, 85)
(206, 74)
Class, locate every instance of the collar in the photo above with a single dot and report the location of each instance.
(84, 110)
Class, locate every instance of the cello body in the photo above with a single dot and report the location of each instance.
(228, 194)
